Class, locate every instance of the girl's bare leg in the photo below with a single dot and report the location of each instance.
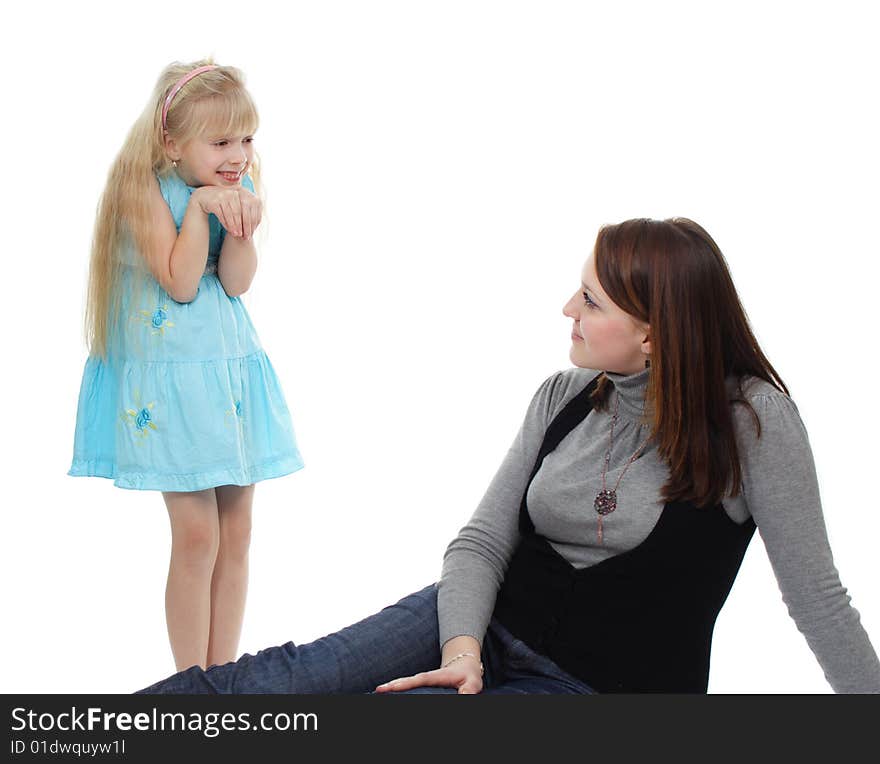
(195, 536)
(229, 584)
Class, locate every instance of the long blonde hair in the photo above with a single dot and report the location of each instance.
(216, 102)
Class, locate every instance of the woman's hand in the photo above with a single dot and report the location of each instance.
(464, 673)
(238, 210)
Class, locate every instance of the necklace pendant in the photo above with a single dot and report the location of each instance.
(606, 502)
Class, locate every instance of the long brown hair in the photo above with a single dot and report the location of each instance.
(216, 101)
(672, 275)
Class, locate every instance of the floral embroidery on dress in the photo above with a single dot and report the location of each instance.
(234, 415)
(140, 417)
(156, 320)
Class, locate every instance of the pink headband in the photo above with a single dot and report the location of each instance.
(179, 84)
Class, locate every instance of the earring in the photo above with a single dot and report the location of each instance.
(174, 162)
(647, 363)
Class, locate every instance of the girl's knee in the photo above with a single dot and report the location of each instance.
(235, 535)
(195, 543)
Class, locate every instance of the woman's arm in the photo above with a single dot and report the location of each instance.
(476, 561)
(782, 494)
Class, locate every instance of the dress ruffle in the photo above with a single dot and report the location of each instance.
(232, 427)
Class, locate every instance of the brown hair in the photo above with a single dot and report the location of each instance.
(672, 275)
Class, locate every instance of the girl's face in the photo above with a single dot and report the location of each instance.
(603, 336)
(213, 160)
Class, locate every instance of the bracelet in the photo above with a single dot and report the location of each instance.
(459, 657)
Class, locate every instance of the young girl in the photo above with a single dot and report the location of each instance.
(609, 539)
(177, 394)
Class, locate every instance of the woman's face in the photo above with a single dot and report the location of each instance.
(603, 336)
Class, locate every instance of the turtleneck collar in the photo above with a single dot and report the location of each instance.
(631, 389)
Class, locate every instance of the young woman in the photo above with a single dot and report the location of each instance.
(608, 541)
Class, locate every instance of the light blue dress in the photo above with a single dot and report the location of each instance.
(187, 398)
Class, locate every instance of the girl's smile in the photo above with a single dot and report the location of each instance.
(213, 161)
(231, 177)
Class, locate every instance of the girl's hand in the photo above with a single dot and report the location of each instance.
(251, 211)
(238, 210)
(466, 674)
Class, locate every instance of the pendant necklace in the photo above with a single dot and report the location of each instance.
(606, 501)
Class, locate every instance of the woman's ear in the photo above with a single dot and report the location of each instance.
(646, 343)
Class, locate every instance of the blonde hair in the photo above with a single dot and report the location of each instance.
(214, 103)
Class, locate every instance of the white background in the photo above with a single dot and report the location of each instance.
(436, 174)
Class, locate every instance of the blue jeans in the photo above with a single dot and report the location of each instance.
(401, 640)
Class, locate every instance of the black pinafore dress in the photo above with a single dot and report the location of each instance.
(640, 621)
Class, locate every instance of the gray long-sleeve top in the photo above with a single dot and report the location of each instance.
(779, 490)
